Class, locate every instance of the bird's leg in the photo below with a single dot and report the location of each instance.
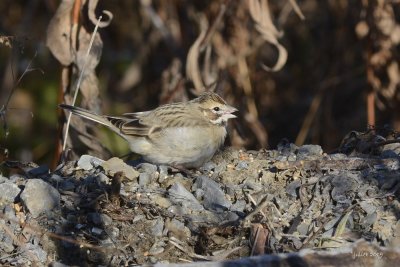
(179, 168)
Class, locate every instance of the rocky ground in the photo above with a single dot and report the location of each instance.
(242, 203)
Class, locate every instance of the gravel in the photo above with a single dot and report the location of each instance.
(297, 198)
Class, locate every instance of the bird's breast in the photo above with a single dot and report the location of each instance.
(186, 145)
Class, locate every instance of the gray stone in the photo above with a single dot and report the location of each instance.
(87, 162)
(54, 178)
(17, 178)
(291, 188)
(158, 227)
(138, 218)
(34, 250)
(199, 193)
(227, 216)
(67, 186)
(291, 157)
(214, 197)
(144, 179)
(99, 218)
(309, 151)
(338, 156)
(208, 166)
(41, 170)
(220, 168)
(58, 264)
(96, 231)
(252, 185)
(163, 173)
(329, 225)
(302, 228)
(179, 195)
(284, 147)
(39, 196)
(7, 246)
(155, 250)
(101, 178)
(242, 165)
(239, 205)
(8, 192)
(370, 219)
(106, 219)
(9, 213)
(147, 167)
(114, 233)
(367, 207)
(3, 179)
(6, 242)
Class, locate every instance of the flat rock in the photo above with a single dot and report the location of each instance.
(39, 196)
(179, 195)
(8, 192)
(87, 162)
(213, 196)
(114, 165)
(309, 151)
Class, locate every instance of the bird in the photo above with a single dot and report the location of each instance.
(181, 135)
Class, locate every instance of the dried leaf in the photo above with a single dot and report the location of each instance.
(192, 63)
(58, 37)
(259, 237)
(92, 16)
(6, 41)
(342, 224)
(260, 13)
(297, 9)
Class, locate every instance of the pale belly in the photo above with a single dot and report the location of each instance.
(185, 147)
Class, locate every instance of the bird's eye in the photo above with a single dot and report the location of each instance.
(216, 109)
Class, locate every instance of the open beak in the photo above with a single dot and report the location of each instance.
(228, 112)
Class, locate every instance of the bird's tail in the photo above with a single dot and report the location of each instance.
(90, 116)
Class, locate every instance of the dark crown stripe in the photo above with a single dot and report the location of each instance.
(210, 95)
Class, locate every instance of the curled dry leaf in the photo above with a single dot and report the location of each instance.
(260, 13)
(192, 63)
(92, 16)
(6, 41)
(59, 37)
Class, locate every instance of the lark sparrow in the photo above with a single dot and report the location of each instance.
(184, 134)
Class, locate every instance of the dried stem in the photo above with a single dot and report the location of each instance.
(80, 80)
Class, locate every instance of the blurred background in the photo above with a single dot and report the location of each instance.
(341, 73)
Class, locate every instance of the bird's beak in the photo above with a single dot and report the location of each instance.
(228, 113)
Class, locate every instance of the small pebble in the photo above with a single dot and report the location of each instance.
(96, 231)
(242, 165)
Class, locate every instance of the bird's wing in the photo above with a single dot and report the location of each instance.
(129, 125)
(154, 121)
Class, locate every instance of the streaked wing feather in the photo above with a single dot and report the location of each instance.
(129, 126)
(149, 123)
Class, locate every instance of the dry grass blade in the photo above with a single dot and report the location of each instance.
(80, 80)
(192, 64)
(260, 13)
(297, 9)
(342, 224)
